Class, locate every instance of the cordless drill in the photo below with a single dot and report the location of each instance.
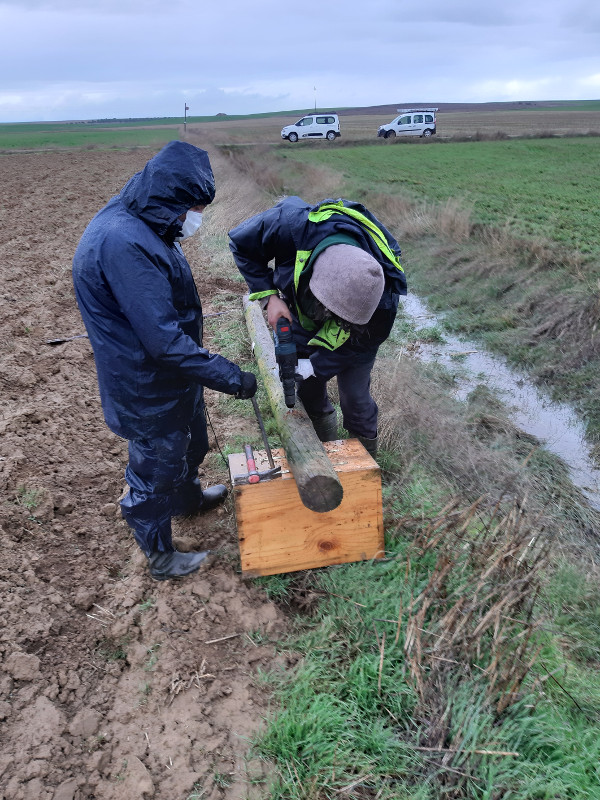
(285, 354)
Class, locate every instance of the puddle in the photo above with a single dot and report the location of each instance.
(555, 424)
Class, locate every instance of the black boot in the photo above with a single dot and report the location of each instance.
(212, 496)
(190, 499)
(370, 445)
(325, 426)
(174, 564)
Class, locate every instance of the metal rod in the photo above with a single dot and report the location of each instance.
(261, 425)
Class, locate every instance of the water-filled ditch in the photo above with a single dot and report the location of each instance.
(555, 424)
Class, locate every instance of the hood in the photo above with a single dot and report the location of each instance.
(175, 179)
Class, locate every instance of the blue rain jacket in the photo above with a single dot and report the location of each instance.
(139, 302)
(279, 233)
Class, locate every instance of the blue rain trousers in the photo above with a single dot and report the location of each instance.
(163, 482)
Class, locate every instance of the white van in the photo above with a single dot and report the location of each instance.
(410, 122)
(313, 126)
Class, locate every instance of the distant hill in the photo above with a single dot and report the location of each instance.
(385, 110)
(519, 105)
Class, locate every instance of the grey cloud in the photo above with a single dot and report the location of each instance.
(70, 59)
(584, 17)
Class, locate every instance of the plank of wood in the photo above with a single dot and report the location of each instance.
(316, 481)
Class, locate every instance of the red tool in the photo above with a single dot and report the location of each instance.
(253, 475)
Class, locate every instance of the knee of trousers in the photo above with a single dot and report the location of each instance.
(362, 419)
(157, 465)
(143, 509)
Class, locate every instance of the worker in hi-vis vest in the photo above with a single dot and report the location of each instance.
(336, 276)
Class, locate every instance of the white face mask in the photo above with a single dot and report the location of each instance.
(191, 223)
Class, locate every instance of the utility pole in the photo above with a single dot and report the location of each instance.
(315, 89)
(186, 108)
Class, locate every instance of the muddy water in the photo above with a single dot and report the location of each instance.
(555, 424)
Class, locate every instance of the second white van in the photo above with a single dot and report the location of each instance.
(410, 122)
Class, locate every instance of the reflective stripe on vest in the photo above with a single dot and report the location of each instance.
(260, 295)
(331, 336)
(327, 210)
(302, 259)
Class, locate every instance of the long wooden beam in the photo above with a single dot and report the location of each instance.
(317, 482)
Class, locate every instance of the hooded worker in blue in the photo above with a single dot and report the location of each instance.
(143, 316)
(333, 270)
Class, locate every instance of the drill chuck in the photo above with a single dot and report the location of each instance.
(287, 359)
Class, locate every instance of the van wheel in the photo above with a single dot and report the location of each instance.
(330, 135)
(427, 132)
(390, 135)
(293, 137)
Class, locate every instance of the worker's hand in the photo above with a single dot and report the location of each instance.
(277, 308)
(304, 369)
(248, 388)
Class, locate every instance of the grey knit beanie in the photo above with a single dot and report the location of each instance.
(348, 281)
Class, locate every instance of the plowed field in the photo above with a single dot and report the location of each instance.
(111, 685)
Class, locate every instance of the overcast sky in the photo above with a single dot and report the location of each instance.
(76, 59)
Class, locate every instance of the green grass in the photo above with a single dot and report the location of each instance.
(533, 259)
(20, 137)
(348, 715)
(538, 187)
(573, 105)
(28, 498)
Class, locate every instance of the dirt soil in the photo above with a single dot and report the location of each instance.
(111, 685)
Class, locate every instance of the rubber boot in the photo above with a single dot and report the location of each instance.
(325, 426)
(190, 498)
(213, 496)
(370, 445)
(174, 564)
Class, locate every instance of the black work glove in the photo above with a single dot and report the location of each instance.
(248, 388)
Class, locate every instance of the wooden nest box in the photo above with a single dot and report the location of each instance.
(278, 533)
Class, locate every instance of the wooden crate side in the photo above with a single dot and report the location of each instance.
(279, 534)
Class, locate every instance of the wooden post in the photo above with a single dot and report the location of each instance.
(317, 482)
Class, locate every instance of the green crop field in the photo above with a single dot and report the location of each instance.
(539, 187)
(24, 137)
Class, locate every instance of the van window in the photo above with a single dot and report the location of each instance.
(404, 120)
(428, 117)
(418, 118)
(325, 120)
(305, 121)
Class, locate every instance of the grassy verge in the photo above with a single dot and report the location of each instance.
(464, 665)
(452, 669)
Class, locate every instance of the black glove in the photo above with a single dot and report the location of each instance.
(248, 388)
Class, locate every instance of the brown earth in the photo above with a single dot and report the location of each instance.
(111, 685)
